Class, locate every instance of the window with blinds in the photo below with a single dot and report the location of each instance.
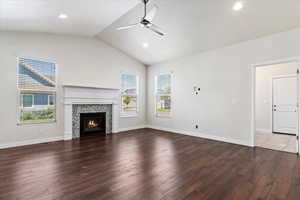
(129, 95)
(163, 95)
(37, 91)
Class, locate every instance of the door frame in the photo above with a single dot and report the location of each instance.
(272, 97)
(253, 91)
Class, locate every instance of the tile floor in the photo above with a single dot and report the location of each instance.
(278, 142)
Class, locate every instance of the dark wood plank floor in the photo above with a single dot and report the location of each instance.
(147, 164)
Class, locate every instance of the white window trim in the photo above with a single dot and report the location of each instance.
(156, 95)
(133, 113)
(18, 111)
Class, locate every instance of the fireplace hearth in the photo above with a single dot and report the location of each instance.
(91, 123)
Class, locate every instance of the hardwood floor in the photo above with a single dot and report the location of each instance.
(147, 164)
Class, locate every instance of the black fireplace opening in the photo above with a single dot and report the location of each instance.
(91, 123)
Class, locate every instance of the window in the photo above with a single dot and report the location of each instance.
(41, 99)
(129, 95)
(163, 95)
(37, 91)
(27, 100)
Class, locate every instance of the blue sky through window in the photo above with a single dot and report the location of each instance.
(164, 82)
(129, 82)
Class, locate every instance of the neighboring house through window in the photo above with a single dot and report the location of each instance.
(37, 91)
(163, 95)
(129, 96)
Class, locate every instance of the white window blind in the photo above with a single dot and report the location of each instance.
(163, 95)
(36, 83)
(129, 96)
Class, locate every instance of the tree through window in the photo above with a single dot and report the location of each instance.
(163, 95)
(129, 95)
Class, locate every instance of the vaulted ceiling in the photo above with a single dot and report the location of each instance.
(191, 25)
(201, 25)
(85, 17)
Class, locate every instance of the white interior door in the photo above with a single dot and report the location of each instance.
(285, 111)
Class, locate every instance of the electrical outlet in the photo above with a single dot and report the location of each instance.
(196, 90)
(196, 127)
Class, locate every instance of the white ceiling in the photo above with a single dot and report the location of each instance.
(191, 25)
(201, 25)
(86, 17)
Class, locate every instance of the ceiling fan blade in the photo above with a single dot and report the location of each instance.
(156, 29)
(128, 27)
(151, 14)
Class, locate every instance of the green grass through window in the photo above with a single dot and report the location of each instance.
(38, 116)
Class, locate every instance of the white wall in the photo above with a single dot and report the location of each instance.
(82, 61)
(223, 107)
(263, 98)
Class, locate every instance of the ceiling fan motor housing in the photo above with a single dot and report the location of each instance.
(145, 22)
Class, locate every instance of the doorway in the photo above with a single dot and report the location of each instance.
(276, 115)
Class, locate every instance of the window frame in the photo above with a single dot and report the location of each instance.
(19, 94)
(137, 95)
(157, 95)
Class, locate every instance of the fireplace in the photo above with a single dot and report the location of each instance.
(92, 123)
(86, 99)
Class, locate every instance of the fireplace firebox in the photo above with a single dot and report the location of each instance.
(92, 123)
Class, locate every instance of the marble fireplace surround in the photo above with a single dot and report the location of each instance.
(87, 95)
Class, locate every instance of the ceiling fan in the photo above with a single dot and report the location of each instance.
(146, 21)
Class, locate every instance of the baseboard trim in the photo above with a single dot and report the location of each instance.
(264, 130)
(120, 130)
(31, 142)
(68, 136)
(54, 139)
(177, 131)
(203, 135)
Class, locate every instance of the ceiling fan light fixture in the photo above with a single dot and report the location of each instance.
(145, 45)
(238, 6)
(63, 16)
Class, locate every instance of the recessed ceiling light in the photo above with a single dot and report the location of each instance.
(62, 16)
(145, 45)
(238, 6)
